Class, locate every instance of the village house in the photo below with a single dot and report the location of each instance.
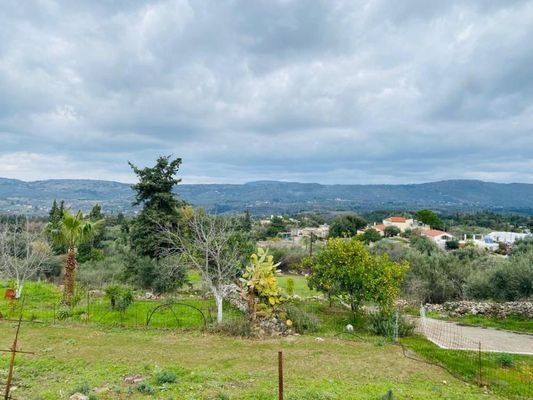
(437, 236)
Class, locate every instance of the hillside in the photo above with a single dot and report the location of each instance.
(268, 197)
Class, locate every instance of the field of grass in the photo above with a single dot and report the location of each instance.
(511, 323)
(300, 285)
(513, 380)
(209, 366)
(41, 303)
(96, 347)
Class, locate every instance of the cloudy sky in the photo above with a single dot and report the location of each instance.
(315, 91)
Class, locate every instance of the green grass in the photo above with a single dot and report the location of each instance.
(41, 303)
(510, 323)
(216, 367)
(515, 382)
(300, 285)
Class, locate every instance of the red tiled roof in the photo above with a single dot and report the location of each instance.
(379, 227)
(432, 232)
(396, 219)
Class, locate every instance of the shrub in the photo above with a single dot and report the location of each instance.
(84, 388)
(120, 296)
(165, 377)
(290, 286)
(383, 323)
(239, 327)
(145, 388)
(302, 320)
(63, 313)
(505, 360)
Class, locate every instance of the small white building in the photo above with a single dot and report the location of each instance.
(402, 223)
(505, 237)
(437, 236)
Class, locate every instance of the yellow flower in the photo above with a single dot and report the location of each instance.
(289, 323)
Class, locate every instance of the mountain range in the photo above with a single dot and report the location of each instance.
(274, 197)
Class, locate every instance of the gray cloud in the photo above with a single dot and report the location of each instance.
(328, 91)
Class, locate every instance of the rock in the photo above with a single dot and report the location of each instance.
(78, 396)
(500, 310)
(132, 379)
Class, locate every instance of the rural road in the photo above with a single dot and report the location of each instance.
(450, 335)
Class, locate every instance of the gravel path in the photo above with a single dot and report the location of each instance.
(450, 335)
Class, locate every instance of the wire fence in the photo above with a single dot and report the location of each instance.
(472, 359)
(493, 359)
(185, 312)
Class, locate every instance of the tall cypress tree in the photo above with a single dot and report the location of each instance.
(160, 205)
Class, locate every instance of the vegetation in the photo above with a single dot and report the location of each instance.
(71, 231)
(259, 282)
(346, 225)
(209, 366)
(348, 270)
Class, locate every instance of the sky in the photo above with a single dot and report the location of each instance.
(327, 91)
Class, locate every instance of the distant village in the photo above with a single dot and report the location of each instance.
(491, 241)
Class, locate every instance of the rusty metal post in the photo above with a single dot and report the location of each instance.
(280, 375)
(12, 360)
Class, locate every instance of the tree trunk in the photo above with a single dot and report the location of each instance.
(18, 292)
(219, 301)
(70, 268)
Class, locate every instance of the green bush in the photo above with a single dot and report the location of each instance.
(505, 360)
(383, 323)
(121, 297)
(302, 320)
(165, 377)
(290, 286)
(145, 388)
(84, 388)
(63, 313)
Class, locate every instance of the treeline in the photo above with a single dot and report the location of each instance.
(437, 276)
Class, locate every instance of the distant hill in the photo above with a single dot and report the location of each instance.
(272, 197)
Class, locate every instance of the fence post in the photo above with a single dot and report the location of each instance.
(480, 379)
(280, 375)
(88, 305)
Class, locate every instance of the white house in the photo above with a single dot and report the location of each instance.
(439, 237)
(505, 237)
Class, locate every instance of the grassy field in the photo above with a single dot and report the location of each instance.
(216, 367)
(300, 285)
(41, 303)
(513, 379)
(511, 323)
(96, 347)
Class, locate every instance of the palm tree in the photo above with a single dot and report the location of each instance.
(71, 231)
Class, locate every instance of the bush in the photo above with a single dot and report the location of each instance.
(165, 377)
(505, 360)
(302, 321)
(84, 388)
(63, 313)
(383, 323)
(145, 388)
(239, 327)
(290, 286)
(121, 297)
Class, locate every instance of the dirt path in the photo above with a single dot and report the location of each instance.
(450, 335)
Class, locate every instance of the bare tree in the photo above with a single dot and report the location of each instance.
(23, 252)
(214, 246)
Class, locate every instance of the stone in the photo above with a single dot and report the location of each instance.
(78, 396)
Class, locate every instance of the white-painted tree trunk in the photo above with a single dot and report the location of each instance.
(18, 290)
(219, 299)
